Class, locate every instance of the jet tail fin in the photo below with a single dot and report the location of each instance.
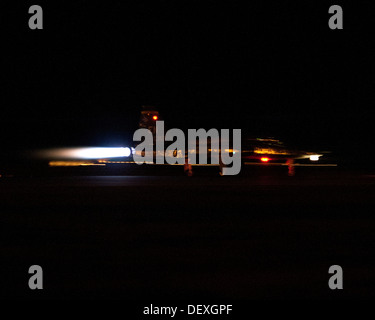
(149, 116)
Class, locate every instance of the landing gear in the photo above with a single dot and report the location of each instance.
(188, 169)
(221, 166)
(291, 169)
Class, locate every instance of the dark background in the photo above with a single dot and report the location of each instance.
(271, 69)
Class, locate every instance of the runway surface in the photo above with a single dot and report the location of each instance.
(159, 237)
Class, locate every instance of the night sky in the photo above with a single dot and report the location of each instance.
(273, 68)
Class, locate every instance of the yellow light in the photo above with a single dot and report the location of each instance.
(73, 163)
(155, 118)
(264, 159)
(269, 151)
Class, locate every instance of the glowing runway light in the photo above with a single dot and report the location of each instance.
(264, 159)
(314, 157)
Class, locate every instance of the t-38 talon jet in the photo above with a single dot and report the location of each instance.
(253, 151)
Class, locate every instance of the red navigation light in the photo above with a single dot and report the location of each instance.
(155, 118)
(264, 159)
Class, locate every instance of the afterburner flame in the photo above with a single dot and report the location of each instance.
(84, 153)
